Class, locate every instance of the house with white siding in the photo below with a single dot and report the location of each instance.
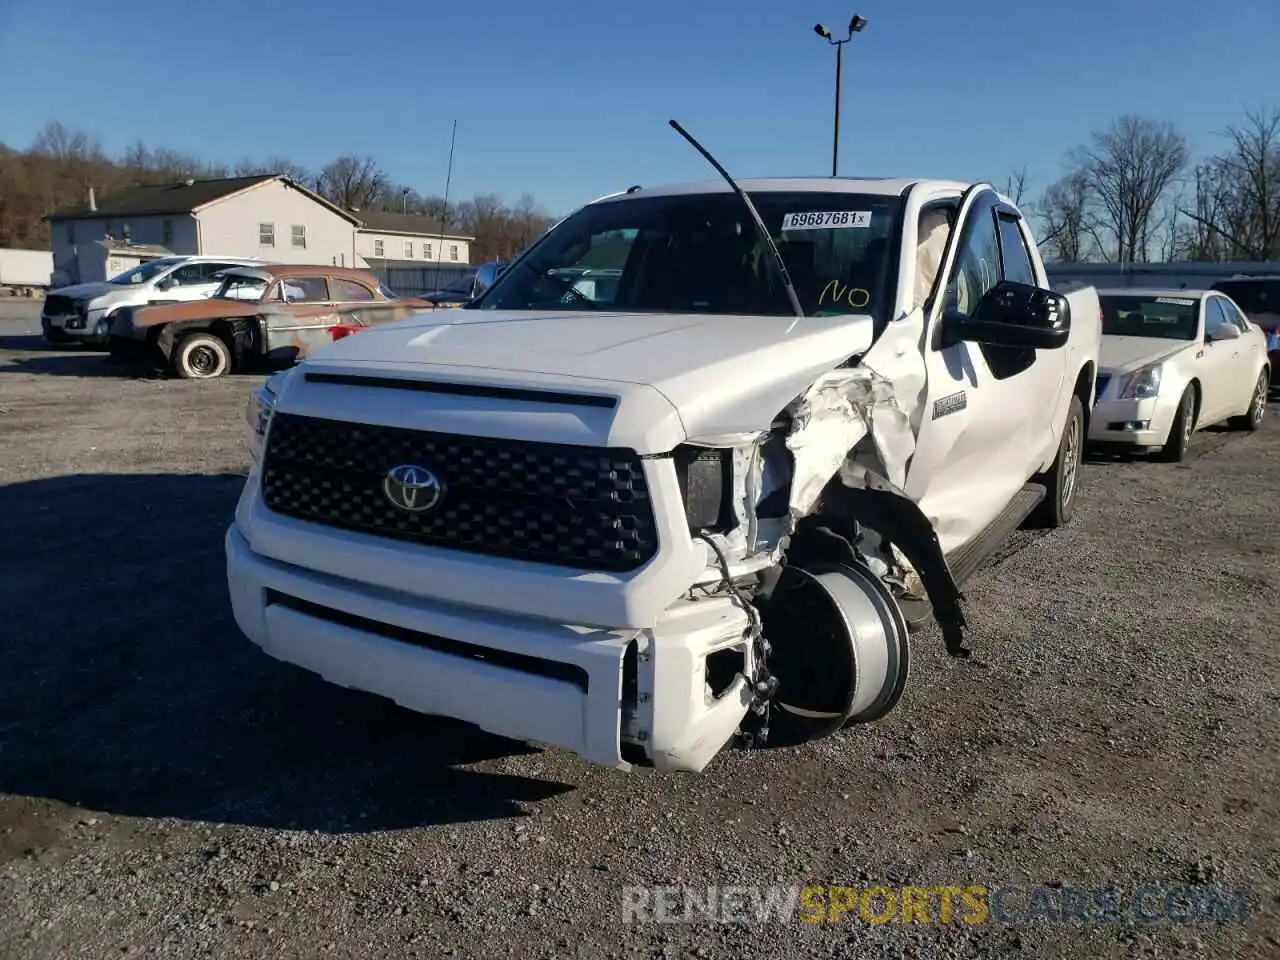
(387, 239)
(271, 217)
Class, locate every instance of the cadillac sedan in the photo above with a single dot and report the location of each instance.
(1173, 362)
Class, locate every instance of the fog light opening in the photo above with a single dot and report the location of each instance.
(723, 667)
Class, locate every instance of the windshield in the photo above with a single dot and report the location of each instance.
(1252, 296)
(142, 273)
(701, 253)
(241, 288)
(1167, 318)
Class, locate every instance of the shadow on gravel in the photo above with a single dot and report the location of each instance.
(73, 363)
(128, 688)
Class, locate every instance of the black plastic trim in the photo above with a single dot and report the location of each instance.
(467, 390)
(552, 669)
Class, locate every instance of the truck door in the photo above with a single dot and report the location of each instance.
(979, 422)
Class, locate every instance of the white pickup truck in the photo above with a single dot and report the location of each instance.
(704, 504)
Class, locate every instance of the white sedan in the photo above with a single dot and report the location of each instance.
(1173, 362)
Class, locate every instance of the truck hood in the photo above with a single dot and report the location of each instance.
(208, 309)
(92, 290)
(1123, 354)
(723, 374)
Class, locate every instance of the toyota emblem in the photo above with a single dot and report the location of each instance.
(411, 488)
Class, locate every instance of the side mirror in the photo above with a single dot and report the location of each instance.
(1012, 314)
(165, 282)
(1224, 331)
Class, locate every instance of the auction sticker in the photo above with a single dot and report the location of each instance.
(1177, 301)
(830, 220)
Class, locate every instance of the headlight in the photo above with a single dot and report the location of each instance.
(706, 485)
(262, 403)
(82, 307)
(1141, 383)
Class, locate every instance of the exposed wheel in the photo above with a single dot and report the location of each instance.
(201, 356)
(1062, 480)
(1252, 418)
(840, 651)
(1184, 423)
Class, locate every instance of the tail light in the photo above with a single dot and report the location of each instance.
(342, 330)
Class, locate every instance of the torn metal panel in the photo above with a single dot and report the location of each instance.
(849, 406)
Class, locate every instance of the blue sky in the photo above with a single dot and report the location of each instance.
(570, 100)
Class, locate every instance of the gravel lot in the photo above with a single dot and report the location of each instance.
(168, 790)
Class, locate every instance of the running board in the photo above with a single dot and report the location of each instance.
(972, 556)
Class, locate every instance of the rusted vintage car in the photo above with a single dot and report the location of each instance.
(259, 316)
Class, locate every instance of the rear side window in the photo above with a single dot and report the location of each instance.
(348, 291)
(1013, 251)
(305, 290)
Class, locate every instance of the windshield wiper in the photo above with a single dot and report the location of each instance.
(775, 255)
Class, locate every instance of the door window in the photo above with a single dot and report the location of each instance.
(1214, 315)
(305, 290)
(978, 266)
(1234, 315)
(189, 275)
(1014, 253)
(348, 291)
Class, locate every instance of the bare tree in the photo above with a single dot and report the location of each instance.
(352, 182)
(274, 165)
(1015, 185)
(1236, 214)
(1064, 208)
(65, 144)
(1130, 168)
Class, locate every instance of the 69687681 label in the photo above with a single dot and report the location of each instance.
(827, 220)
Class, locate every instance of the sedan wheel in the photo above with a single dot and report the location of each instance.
(1253, 417)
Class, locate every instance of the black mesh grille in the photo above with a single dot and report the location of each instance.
(584, 507)
(56, 305)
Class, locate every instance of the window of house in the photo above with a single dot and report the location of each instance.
(453, 251)
(408, 249)
(426, 251)
(306, 290)
(300, 236)
(378, 248)
(167, 227)
(348, 291)
(266, 234)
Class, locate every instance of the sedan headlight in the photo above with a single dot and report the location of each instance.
(1142, 383)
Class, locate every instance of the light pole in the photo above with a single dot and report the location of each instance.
(856, 25)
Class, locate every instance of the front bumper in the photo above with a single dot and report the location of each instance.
(63, 328)
(588, 690)
(1132, 423)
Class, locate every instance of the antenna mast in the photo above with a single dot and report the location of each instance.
(448, 179)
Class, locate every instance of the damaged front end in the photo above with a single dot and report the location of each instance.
(809, 532)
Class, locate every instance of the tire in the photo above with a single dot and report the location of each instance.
(1062, 481)
(1184, 424)
(201, 356)
(1252, 418)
